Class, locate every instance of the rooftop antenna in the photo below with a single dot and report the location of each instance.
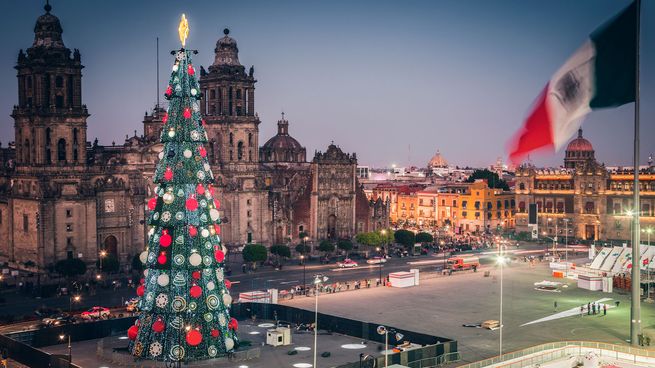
(157, 106)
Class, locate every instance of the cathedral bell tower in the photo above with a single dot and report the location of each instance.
(50, 120)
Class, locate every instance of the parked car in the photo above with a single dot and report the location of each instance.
(58, 320)
(347, 263)
(96, 313)
(376, 260)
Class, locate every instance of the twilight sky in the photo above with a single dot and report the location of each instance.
(391, 80)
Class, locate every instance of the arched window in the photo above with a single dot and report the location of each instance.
(231, 139)
(240, 151)
(74, 135)
(61, 150)
(48, 156)
(250, 139)
(522, 186)
(26, 149)
(47, 136)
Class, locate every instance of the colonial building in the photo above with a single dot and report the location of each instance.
(583, 199)
(61, 196)
(485, 209)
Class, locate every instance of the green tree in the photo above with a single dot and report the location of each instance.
(326, 247)
(303, 249)
(371, 239)
(254, 253)
(493, 180)
(405, 237)
(424, 237)
(70, 267)
(184, 258)
(281, 251)
(110, 263)
(345, 245)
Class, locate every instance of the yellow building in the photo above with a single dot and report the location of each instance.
(483, 208)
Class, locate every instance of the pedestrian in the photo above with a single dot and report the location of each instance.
(555, 305)
(604, 309)
(616, 303)
(582, 310)
(589, 308)
(593, 308)
(368, 283)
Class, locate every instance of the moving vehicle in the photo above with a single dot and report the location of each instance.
(96, 313)
(462, 263)
(58, 320)
(491, 324)
(376, 260)
(347, 263)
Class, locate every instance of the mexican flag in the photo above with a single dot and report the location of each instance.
(601, 73)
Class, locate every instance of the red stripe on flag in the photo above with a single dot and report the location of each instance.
(536, 132)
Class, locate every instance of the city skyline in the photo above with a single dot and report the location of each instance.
(342, 57)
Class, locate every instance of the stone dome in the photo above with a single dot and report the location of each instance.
(282, 147)
(227, 52)
(47, 30)
(438, 161)
(580, 144)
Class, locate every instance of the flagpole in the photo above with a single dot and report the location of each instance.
(635, 308)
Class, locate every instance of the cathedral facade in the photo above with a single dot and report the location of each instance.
(64, 197)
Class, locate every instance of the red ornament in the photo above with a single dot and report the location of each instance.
(214, 332)
(164, 118)
(228, 284)
(203, 122)
(168, 174)
(218, 229)
(217, 204)
(196, 275)
(211, 190)
(187, 113)
(142, 281)
(192, 203)
(200, 189)
(195, 291)
(233, 325)
(165, 239)
(219, 255)
(169, 90)
(162, 258)
(190, 70)
(158, 326)
(193, 231)
(203, 151)
(152, 203)
(132, 332)
(140, 290)
(193, 337)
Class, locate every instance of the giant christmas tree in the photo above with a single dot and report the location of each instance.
(184, 295)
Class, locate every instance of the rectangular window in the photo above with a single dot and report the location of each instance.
(249, 213)
(69, 228)
(26, 223)
(69, 212)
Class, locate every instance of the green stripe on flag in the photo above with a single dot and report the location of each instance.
(616, 50)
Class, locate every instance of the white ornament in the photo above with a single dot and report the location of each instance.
(161, 155)
(206, 166)
(155, 349)
(229, 344)
(194, 91)
(195, 135)
(204, 233)
(163, 279)
(162, 300)
(195, 259)
(213, 214)
(143, 257)
(221, 319)
(171, 133)
(211, 286)
(166, 216)
(219, 275)
(175, 67)
(227, 299)
(187, 153)
(145, 273)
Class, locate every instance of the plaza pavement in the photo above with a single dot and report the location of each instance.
(441, 305)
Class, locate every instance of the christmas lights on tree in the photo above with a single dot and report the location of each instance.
(184, 296)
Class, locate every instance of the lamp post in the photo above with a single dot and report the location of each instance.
(380, 264)
(555, 237)
(385, 331)
(501, 262)
(384, 234)
(648, 231)
(70, 349)
(72, 299)
(318, 280)
(304, 284)
(566, 244)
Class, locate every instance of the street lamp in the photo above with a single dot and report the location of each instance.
(384, 234)
(566, 244)
(380, 263)
(70, 350)
(501, 260)
(72, 299)
(318, 280)
(385, 331)
(555, 237)
(103, 254)
(304, 284)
